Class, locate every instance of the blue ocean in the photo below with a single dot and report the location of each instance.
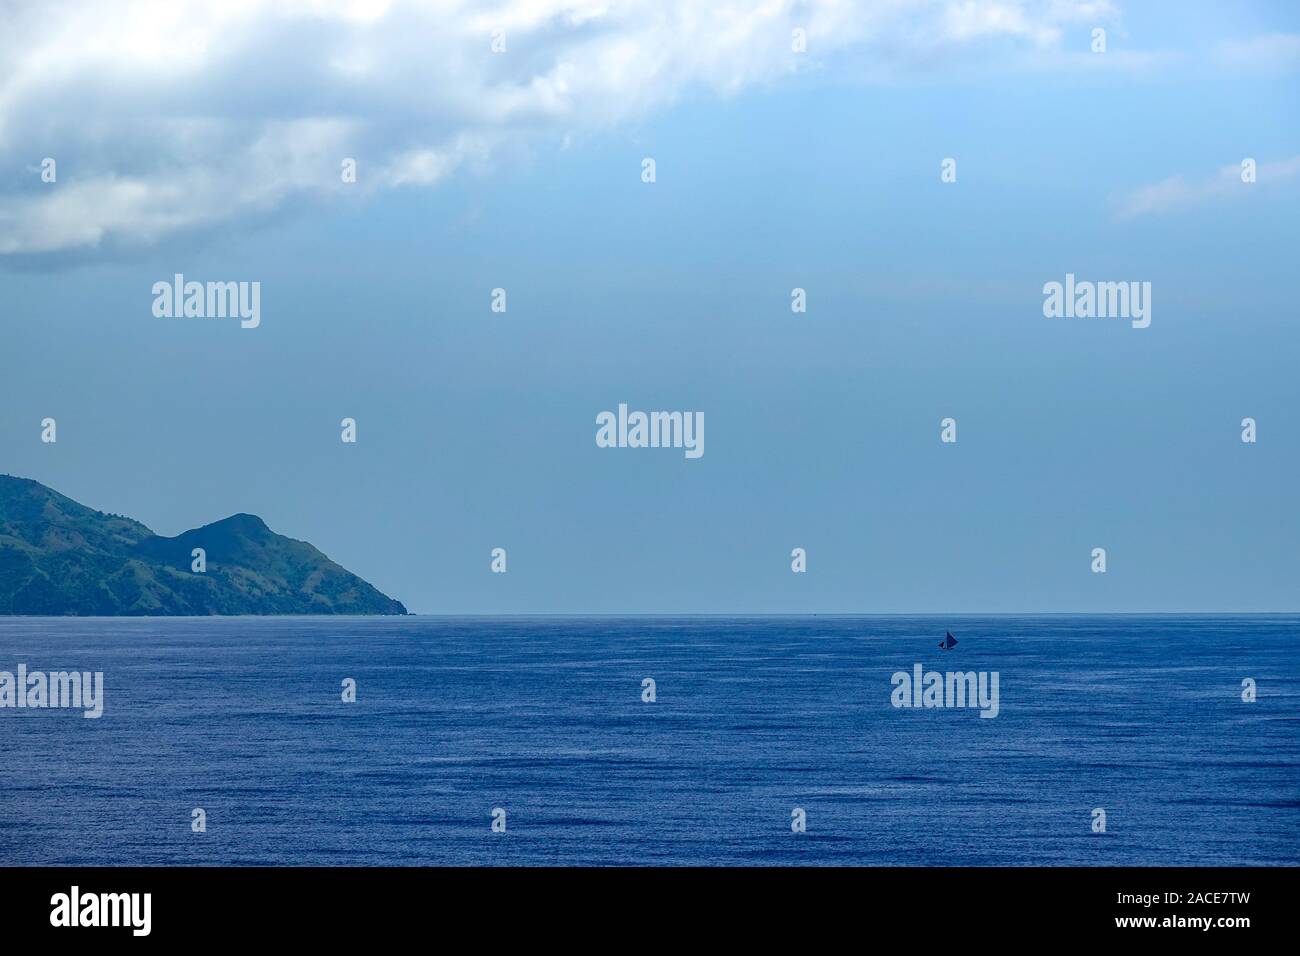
(753, 717)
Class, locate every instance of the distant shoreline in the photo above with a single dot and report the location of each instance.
(590, 615)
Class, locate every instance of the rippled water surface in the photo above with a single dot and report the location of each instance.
(1141, 716)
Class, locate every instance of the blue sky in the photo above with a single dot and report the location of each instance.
(476, 430)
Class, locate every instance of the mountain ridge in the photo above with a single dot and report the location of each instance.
(60, 557)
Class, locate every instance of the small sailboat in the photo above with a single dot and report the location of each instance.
(949, 642)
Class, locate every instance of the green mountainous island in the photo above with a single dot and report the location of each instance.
(58, 557)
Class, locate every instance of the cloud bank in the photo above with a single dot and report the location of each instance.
(1174, 193)
(177, 115)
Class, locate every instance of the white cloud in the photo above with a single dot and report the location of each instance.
(1270, 51)
(1178, 193)
(177, 114)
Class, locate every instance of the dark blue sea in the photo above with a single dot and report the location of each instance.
(1141, 716)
